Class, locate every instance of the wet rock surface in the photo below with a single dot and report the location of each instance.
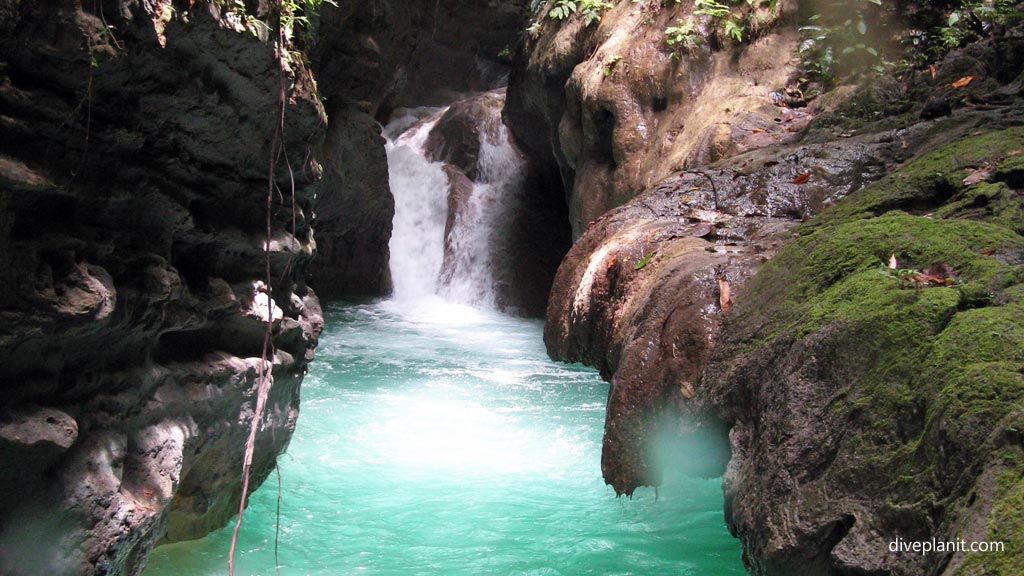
(870, 402)
(641, 294)
(132, 192)
(493, 187)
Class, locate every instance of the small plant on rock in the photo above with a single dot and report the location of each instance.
(682, 35)
(591, 10)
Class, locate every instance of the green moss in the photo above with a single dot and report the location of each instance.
(1011, 169)
(927, 182)
(927, 379)
(1006, 525)
(781, 296)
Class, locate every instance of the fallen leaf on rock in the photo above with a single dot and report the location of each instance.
(939, 274)
(611, 261)
(643, 261)
(933, 70)
(724, 296)
(941, 269)
(801, 178)
(978, 175)
(892, 262)
(963, 81)
(988, 252)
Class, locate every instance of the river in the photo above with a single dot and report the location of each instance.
(437, 438)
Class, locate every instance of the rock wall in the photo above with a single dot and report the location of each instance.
(133, 169)
(748, 293)
(869, 403)
(616, 109)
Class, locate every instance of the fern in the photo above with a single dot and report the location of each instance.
(562, 10)
(734, 30)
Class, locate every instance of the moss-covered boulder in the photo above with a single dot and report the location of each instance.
(874, 377)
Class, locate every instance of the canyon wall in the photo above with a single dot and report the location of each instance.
(823, 283)
(134, 160)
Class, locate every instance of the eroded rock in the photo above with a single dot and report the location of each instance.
(132, 236)
(618, 110)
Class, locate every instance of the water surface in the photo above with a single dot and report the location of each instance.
(439, 439)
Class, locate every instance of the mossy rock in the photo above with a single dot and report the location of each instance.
(925, 378)
(936, 178)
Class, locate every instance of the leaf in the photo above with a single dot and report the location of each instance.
(724, 294)
(801, 178)
(988, 251)
(643, 261)
(978, 175)
(933, 70)
(954, 17)
(963, 81)
(938, 274)
(611, 261)
(892, 262)
(862, 27)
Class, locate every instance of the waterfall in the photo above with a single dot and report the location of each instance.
(420, 188)
(446, 242)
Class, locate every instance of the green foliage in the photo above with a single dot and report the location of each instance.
(711, 8)
(643, 261)
(562, 9)
(591, 10)
(683, 35)
(734, 30)
(734, 22)
(840, 47)
(844, 44)
(971, 21)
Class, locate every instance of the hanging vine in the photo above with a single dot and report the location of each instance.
(264, 375)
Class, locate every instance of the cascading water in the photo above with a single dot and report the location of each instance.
(420, 188)
(438, 439)
(474, 265)
(444, 242)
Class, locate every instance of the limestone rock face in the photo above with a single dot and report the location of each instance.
(871, 404)
(354, 209)
(641, 295)
(617, 109)
(752, 296)
(132, 202)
